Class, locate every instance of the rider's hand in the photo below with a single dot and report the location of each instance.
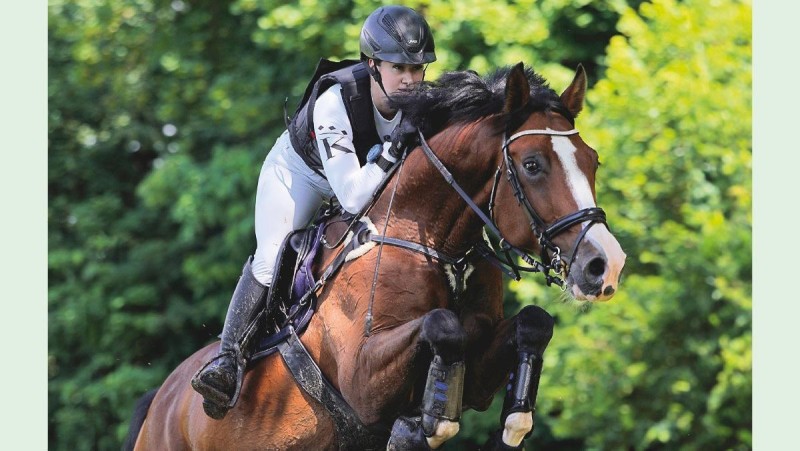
(404, 138)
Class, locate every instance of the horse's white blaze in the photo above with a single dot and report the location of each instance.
(517, 425)
(599, 235)
(576, 180)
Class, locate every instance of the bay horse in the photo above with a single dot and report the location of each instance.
(501, 154)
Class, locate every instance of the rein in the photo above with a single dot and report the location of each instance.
(544, 234)
(368, 319)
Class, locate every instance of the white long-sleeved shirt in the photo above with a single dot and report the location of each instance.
(352, 183)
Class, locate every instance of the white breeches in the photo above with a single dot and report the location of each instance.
(288, 195)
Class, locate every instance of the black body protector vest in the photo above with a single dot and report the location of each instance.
(354, 77)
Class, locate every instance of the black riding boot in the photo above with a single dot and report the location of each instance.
(220, 380)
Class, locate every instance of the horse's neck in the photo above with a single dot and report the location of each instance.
(426, 209)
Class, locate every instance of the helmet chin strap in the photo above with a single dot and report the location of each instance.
(373, 70)
(377, 76)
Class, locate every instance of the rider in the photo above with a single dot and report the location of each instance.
(341, 142)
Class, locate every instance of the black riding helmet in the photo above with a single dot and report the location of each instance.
(397, 34)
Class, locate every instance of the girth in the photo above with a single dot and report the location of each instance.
(351, 432)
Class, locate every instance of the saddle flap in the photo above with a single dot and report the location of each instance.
(292, 273)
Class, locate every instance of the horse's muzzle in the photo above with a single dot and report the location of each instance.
(594, 274)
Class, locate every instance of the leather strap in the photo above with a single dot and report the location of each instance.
(352, 434)
(416, 247)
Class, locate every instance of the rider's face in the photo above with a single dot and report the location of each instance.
(395, 77)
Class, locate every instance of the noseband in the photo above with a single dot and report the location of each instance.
(545, 234)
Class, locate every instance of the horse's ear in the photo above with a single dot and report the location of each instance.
(518, 90)
(573, 96)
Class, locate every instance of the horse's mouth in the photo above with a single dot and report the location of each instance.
(593, 292)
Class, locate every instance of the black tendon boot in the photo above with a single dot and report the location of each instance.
(220, 379)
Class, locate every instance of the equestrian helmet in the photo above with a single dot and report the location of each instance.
(397, 34)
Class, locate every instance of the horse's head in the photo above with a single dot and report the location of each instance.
(542, 198)
(549, 178)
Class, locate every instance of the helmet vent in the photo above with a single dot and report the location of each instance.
(397, 34)
(375, 46)
(390, 25)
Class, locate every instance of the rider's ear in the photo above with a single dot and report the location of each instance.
(573, 96)
(518, 90)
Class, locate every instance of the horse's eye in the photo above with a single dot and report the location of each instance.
(531, 166)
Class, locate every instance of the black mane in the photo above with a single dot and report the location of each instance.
(465, 96)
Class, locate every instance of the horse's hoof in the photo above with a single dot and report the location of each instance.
(213, 410)
(407, 435)
(495, 443)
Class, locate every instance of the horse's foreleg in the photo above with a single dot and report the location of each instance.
(534, 328)
(441, 401)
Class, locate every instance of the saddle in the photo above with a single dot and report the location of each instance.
(292, 299)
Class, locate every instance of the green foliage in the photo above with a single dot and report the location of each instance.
(668, 361)
(161, 112)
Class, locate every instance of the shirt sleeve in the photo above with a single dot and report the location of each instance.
(353, 184)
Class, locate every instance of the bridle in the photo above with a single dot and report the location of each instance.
(550, 254)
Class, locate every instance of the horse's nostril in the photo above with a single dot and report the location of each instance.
(596, 267)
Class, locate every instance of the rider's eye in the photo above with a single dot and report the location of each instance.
(531, 166)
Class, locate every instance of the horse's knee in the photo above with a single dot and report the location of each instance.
(444, 333)
(534, 329)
